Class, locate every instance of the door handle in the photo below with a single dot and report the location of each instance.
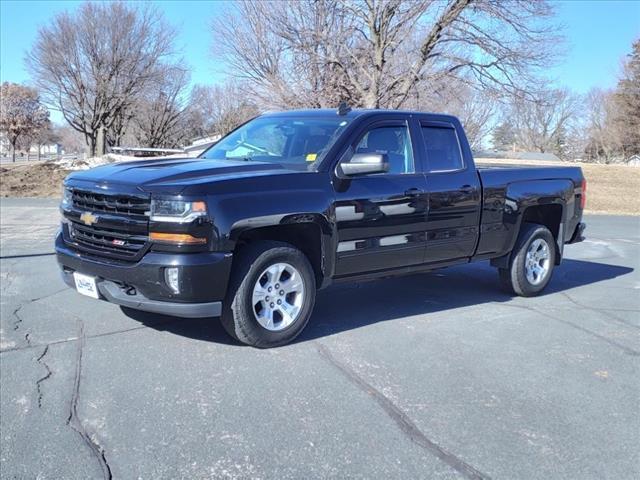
(467, 189)
(413, 192)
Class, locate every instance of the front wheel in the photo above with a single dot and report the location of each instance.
(532, 261)
(271, 295)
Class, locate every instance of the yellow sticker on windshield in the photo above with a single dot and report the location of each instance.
(311, 157)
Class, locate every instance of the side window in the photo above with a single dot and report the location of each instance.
(443, 149)
(392, 141)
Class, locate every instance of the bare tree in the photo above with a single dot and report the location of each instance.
(70, 139)
(475, 110)
(158, 113)
(21, 113)
(121, 127)
(44, 136)
(604, 142)
(613, 117)
(92, 64)
(378, 53)
(216, 110)
(200, 114)
(542, 125)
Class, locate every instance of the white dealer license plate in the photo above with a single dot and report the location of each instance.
(86, 285)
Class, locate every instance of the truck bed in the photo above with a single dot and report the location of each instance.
(507, 191)
(493, 176)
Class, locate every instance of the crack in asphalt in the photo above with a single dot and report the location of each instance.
(606, 311)
(73, 339)
(46, 377)
(402, 420)
(37, 299)
(7, 282)
(74, 420)
(624, 348)
(18, 318)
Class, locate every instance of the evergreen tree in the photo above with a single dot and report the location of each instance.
(627, 98)
(504, 136)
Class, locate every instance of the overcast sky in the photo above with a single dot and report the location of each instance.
(598, 34)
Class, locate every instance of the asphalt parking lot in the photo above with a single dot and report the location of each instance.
(436, 376)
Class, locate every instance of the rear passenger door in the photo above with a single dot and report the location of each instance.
(454, 192)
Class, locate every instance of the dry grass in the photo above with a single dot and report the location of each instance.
(612, 189)
(33, 180)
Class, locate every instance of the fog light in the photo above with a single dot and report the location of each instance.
(172, 278)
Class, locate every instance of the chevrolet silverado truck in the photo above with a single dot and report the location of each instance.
(294, 201)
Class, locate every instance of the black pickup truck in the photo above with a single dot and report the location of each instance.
(293, 201)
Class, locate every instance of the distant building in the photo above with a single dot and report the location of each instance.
(50, 149)
(633, 161)
(5, 146)
(144, 151)
(200, 145)
(546, 157)
(196, 148)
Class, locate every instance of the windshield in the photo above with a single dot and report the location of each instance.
(294, 141)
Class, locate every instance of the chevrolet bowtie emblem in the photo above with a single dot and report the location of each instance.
(88, 218)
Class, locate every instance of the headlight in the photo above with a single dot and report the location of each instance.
(67, 197)
(177, 210)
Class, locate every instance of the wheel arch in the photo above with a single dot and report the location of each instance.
(549, 215)
(541, 202)
(306, 234)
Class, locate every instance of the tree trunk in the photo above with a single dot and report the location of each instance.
(91, 145)
(13, 153)
(101, 141)
(371, 101)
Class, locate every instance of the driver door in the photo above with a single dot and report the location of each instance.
(381, 218)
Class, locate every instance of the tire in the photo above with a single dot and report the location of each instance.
(259, 263)
(520, 278)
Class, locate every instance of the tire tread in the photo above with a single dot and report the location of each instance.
(514, 279)
(237, 320)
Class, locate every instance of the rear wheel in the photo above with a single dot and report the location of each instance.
(532, 261)
(271, 295)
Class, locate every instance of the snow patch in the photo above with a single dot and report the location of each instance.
(79, 163)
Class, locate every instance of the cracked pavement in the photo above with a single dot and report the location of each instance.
(438, 375)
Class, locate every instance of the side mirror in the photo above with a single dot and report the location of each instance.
(365, 163)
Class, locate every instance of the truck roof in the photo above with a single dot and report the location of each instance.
(354, 113)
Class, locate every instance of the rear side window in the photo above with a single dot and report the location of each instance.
(443, 149)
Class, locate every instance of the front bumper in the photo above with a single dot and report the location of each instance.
(141, 285)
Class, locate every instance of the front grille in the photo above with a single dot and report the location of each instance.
(118, 244)
(120, 229)
(118, 204)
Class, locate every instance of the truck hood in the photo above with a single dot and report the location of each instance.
(171, 176)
